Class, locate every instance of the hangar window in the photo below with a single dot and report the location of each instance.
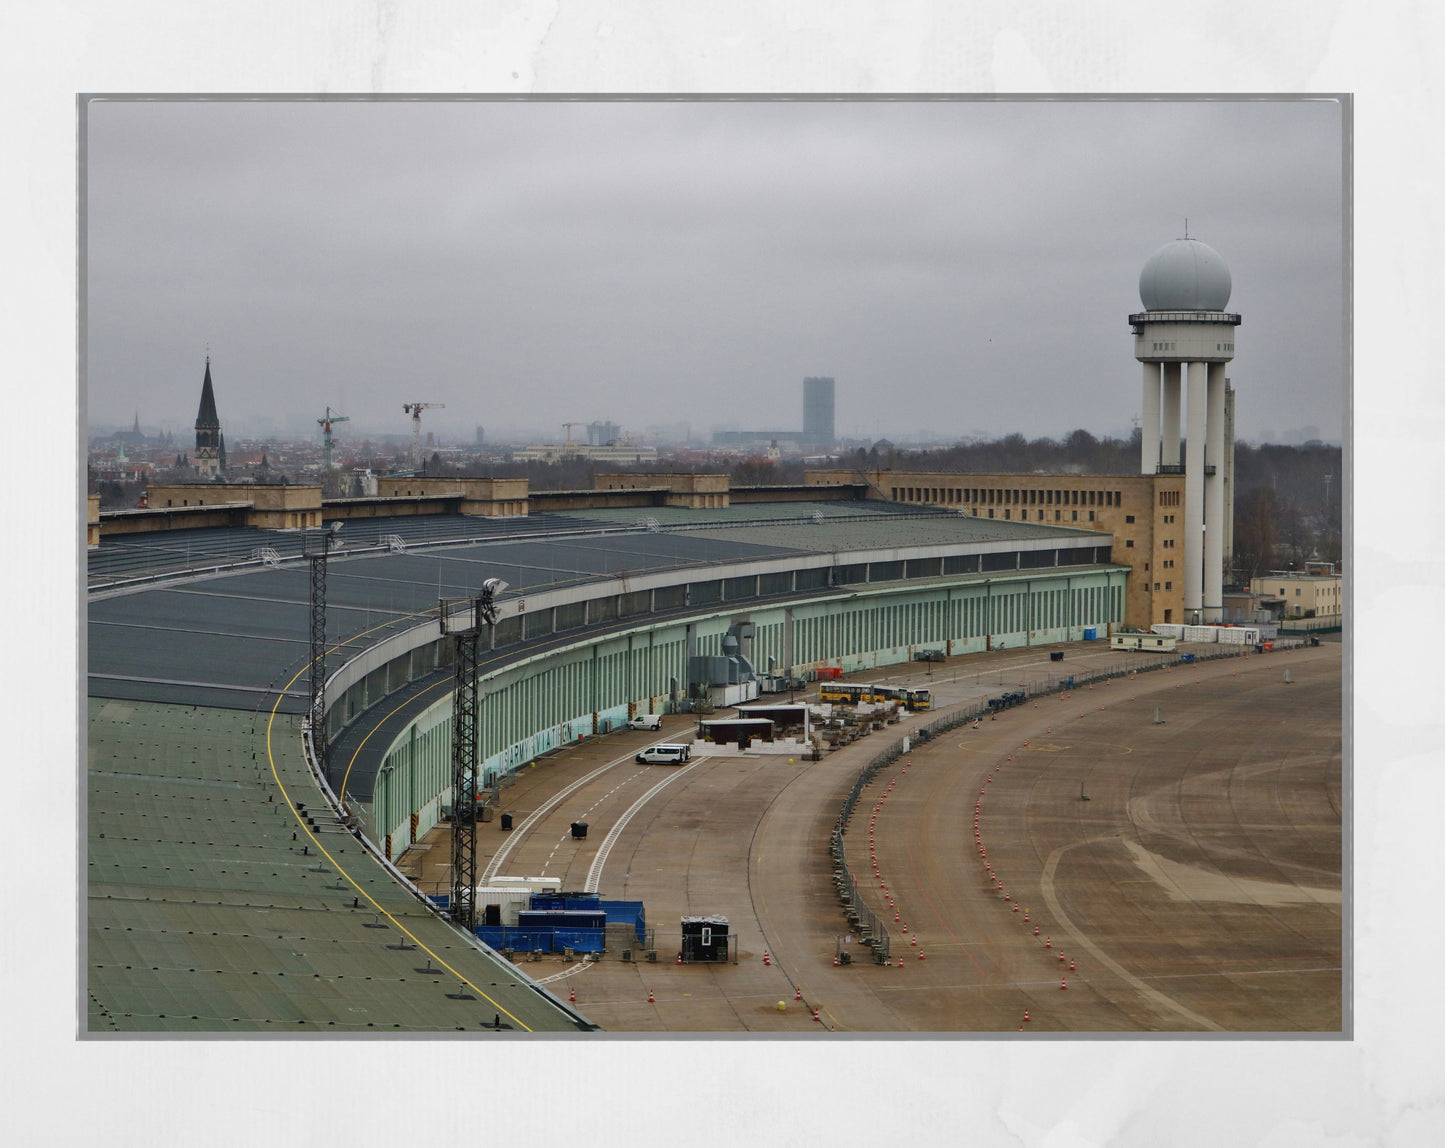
(1128, 518)
(1128, 544)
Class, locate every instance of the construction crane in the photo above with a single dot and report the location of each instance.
(325, 424)
(415, 409)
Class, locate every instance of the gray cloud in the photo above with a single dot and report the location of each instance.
(957, 266)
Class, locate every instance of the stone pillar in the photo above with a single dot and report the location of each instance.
(1193, 557)
(1171, 414)
(1214, 509)
(1149, 421)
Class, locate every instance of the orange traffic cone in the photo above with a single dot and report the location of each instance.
(900, 962)
(799, 995)
(1026, 1015)
(1048, 942)
(1063, 982)
(1071, 966)
(650, 998)
(767, 959)
(835, 960)
(572, 996)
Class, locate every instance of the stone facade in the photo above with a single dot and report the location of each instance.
(694, 491)
(271, 507)
(484, 497)
(1143, 512)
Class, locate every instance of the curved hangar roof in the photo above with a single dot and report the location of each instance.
(1185, 275)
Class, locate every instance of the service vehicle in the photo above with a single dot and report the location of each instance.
(665, 754)
(645, 721)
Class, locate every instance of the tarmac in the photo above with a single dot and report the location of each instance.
(1175, 837)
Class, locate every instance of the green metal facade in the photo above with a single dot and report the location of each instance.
(543, 701)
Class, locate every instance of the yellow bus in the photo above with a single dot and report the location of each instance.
(848, 693)
(854, 693)
(915, 699)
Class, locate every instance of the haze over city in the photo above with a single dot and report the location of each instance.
(961, 268)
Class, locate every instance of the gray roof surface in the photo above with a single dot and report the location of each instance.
(249, 630)
(224, 639)
(205, 916)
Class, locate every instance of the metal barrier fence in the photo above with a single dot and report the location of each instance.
(860, 916)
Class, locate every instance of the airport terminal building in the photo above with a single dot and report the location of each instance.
(214, 840)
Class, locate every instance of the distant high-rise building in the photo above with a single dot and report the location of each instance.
(818, 411)
(603, 433)
(481, 436)
(208, 459)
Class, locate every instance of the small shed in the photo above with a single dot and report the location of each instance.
(705, 940)
(790, 719)
(737, 731)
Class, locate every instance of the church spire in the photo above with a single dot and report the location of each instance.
(209, 462)
(206, 418)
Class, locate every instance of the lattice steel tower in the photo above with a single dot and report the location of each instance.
(467, 631)
(317, 545)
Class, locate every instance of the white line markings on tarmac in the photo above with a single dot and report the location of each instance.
(541, 811)
(594, 874)
(1163, 1000)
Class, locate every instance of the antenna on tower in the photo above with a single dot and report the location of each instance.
(1186, 227)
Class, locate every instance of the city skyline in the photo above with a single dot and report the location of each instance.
(961, 266)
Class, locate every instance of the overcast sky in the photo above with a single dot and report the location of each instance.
(958, 267)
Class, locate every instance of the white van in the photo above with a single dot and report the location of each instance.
(665, 754)
(646, 721)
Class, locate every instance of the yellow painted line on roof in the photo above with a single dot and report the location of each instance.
(380, 722)
(291, 805)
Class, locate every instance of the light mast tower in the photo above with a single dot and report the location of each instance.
(1184, 330)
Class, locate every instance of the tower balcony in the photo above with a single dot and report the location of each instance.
(1178, 468)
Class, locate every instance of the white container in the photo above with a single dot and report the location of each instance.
(529, 884)
(511, 899)
(1168, 629)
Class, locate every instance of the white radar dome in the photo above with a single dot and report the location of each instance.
(1185, 275)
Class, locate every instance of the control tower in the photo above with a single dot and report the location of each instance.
(1185, 332)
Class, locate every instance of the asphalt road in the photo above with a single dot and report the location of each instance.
(1197, 889)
